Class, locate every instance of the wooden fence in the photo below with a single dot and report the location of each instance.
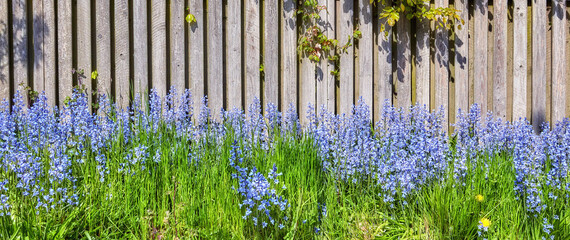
(501, 58)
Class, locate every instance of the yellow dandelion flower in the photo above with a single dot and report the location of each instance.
(484, 222)
(479, 198)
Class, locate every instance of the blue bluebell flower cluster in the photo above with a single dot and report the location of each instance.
(407, 149)
(260, 199)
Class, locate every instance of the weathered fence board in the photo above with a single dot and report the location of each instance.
(462, 58)
(176, 39)
(158, 46)
(50, 52)
(4, 53)
(103, 46)
(271, 53)
(20, 45)
(422, 60)
(84, 45)
(38, 39)
(500, 59)
(196, 54)
(365, 52)
(64, 49)
(539, 21)
(558, 59)
(404, 68)
(215, 73)
(140, 49)
(288, 55)
(441, 71)
(519, 59)
(326, 80)
(383, 88)
(345, 28)
(122, 60)
(252, 51)
(234, 52)
(480, 59)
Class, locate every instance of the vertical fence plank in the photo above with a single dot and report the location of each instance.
(196, 52)
(38, 40)
(558, 60)
(500, 59)
(103, 55)
(177, 74)
(140, 49)
(383, 89)
(519, 59)
(441, 62)
(365, 54)
(158, 43)
(422, 60)
(233, 52)
(539, 22)
(49, 51)
(215, 57)
(345, 29)
(84, 45)
(462, 58)
(307, 88)
(326, 80)
(20, 45)
(480, 69)
(271, 53)
(404, 72)
(252, 51)
(122, 63)
(4, 56)
(64, 50)
(289, 55)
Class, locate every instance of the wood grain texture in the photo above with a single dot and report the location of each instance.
(462, 59)
(441, 70)
(252, 51)
(326, 88)
(20, 46)
(103, 50)
(38, 41)
(215, 58)
(84, 46)
(288, 55)
(122, 60)
(365, 52)
(519, 59)
(196, 54)
(234, 53)
(539, 22)
(422, 61)
(500, 59)
(404, 66)
(384, 86)
(271, 53)
(49, 52)
(158, 46)
(4, 53)
(559, 32)
(307, 88)
(64, 50)
(345, 28)
(480, 46)
(140, 49)
(176, 40)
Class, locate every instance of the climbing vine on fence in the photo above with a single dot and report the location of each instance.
(314, 43)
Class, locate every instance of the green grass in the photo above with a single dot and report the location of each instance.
(178, 199)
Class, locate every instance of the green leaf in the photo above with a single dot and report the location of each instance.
(190, 18)
(94, 74)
